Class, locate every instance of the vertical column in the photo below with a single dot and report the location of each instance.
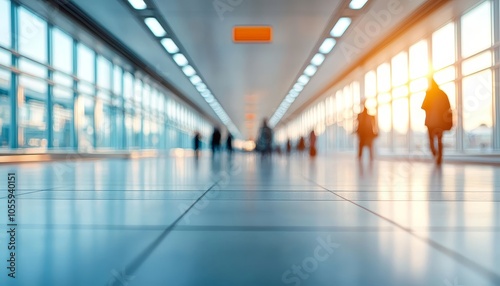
(460, 120)
(94, 126)
(143, 115)
(112, 116)
(50, 89)
(123, 143)
(14, 77)
(76, 111)
(496, 72)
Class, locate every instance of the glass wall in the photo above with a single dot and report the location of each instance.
(461, 63)
(68, 96)
(5, 74)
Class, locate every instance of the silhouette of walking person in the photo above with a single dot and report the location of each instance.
(229, 144)
(438, 118)
(367, 131)
(301, 145)
(312, 144)
(215, 142)
(197, 144)
(265, 141)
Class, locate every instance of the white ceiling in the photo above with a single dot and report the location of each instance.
(245, 78)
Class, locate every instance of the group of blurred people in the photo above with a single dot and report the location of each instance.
(215, 142)
(439, 118)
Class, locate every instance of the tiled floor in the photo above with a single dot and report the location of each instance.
(252, 221)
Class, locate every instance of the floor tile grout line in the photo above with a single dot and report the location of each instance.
(28, 193)
(444, 250)
(259, 200)
(240, 227)
(136, 263)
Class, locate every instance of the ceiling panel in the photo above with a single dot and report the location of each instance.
(249, 80)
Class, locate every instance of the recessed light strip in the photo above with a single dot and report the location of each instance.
(338, 30)
(172, 48)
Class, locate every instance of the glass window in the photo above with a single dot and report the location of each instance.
(32, 123)
(102, 124)
(400, 122)
(117, 80)
(5, 58)
(419, 60)
(419, 130)
(147, 97)
(103, 73)
(85, 121)
(401, 91)
(62, 126)
(477, 63)
(33, 88)
(476, 29)
(32, 36)
(128, 82)
(445, 75)
(5, 23)
(477, 111)
(64, 86)
(400, 69)
(32, 68)
(138, 93)
(62, 51)
(86, 63)
(4, 108)
(443, 47)
(418, 85)
(384, 77)
(371, 91)
(384, 116)
(356, 95)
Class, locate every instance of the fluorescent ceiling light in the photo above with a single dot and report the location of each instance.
(327, 46)
(318, 59)
(188, 71)
(293, 94)
(195, 80)
(303, 79)
(298, 87)
(310, 70)
(155, 27)
(170, 45)
(201, 87)
(180, 60)
(341, 26)
(357, 4)
(209, 97)
(205, 93)
(138, 4)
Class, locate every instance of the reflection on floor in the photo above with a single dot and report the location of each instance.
(248, 220)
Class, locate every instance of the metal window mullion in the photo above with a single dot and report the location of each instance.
(459, 96)
(50, 89)
(123, 144)
(14, 138)
(94, 126)
(76, 109)
(143, 114)
(112, 108)
(496, 73)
